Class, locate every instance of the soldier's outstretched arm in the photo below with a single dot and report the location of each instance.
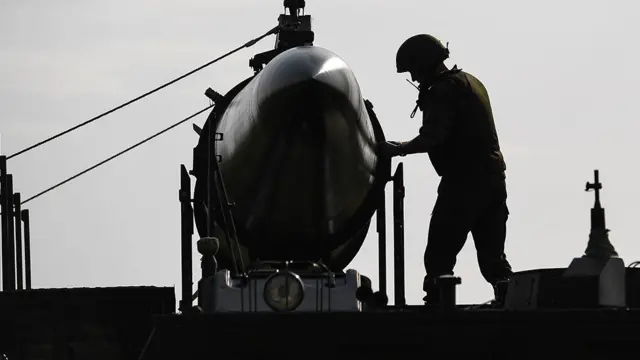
(438, 107)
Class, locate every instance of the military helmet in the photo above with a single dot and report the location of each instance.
(420, 50)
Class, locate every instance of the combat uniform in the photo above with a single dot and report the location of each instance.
(459, 132)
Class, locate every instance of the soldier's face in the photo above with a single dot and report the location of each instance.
(422, 74)
(417, 75)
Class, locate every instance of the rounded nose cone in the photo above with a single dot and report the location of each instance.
(298, 156)
(304, 66)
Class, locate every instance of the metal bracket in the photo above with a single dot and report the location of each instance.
(218, 137)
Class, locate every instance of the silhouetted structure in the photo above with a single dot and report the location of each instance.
(16, 262)
(82, 323)
(286, 186)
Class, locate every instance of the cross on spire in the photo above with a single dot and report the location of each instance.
(597, 212)
(597, 186)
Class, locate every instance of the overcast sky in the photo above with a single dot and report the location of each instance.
(561, 76)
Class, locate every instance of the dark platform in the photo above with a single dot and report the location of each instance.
(80, 323)
(481, 334)
(117, 323)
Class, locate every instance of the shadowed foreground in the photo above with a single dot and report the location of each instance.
(483, 334)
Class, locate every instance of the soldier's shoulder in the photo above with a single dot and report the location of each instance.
(469, 77)
(446, 87)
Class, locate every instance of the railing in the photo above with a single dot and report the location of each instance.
(398, 236)
(398, 239)
(15, 230)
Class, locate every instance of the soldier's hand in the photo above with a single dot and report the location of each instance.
(389, 149)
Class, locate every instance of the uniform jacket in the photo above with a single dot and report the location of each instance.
(458, 127)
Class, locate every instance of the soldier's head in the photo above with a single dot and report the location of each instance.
(422, 56)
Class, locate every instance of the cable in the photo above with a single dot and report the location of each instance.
(116, 155)
(147, 343)
(248, 44)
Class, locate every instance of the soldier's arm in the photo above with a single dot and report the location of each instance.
(437, 119)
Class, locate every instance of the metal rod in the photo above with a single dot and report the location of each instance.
(18, 231)
(4, 216)
(598, 186)
(10, 259)
(597, 212)
(382, 243)
(398, 235)
(228, 219)
(27, 249)
(186, 211)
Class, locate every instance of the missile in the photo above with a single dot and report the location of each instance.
(298, 160)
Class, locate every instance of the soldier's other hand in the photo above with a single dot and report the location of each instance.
(389, 149)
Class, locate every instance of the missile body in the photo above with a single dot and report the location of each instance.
(298, 161)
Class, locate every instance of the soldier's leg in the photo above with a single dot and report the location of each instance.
(452, 218)
(489, 235)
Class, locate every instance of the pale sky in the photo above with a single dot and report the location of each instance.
(561, 76)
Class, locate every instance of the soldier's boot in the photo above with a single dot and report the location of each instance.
(433, 295)
(500, 292)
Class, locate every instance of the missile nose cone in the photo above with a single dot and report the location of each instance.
(311, 90)
(305, 72)
(298, 156)
(305, 65)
